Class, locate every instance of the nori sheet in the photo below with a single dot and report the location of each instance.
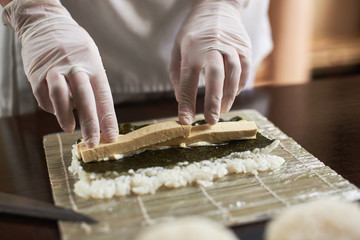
(171, 156)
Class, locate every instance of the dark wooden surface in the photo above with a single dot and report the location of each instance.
(322, 116)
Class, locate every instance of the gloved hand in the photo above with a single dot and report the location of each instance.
(212, 42)
(62, 61)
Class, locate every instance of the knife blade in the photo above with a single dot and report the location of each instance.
(17, 205)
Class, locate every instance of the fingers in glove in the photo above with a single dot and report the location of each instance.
(214, 81)
(232, 79)
(41, 93)
(60, 97)
(85, 103)
(175, 65)
(245, 72)
(189, 80)
(105, 107)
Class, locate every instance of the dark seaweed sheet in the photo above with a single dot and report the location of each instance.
(171, 156)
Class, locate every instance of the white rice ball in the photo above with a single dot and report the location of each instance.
(187, 228)
(321, 219)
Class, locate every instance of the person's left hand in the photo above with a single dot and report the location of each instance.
(213, 39)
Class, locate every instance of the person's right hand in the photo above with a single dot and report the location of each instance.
(62, 61)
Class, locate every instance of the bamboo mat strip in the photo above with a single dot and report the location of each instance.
(234, 199)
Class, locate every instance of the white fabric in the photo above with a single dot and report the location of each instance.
(15, 92)
(135, 38)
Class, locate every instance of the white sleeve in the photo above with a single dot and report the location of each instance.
(15, 92)
(256, 21)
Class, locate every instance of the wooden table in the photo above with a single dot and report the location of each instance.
(322, 116)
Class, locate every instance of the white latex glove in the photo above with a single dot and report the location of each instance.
(61, 60)
(213, 42)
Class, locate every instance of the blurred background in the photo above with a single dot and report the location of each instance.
(313, 40)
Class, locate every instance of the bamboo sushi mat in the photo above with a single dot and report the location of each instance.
(234, 199)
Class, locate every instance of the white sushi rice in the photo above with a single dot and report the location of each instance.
(330, 219)
(149, 180)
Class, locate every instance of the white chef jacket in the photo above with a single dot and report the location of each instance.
(135, 39)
